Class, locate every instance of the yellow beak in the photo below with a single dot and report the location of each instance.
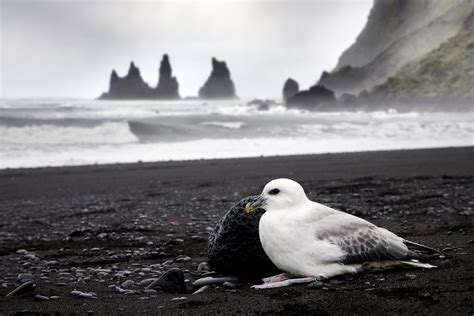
(249, 207)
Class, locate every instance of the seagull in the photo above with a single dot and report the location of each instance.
(310, 241)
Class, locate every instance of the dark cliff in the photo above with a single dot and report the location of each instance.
(397, 33)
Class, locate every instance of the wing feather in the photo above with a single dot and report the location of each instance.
(361, 241)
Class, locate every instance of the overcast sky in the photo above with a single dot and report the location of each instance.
(68, 48)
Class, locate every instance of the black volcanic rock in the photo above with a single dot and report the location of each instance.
(130, 87)
(312, 99)
(234, 246)
(219, 85)
(290, 88)
(168, 87)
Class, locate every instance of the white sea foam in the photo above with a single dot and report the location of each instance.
(231, 125)
(37, 133)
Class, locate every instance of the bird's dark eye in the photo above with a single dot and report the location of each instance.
(274, 192)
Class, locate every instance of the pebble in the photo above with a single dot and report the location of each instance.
(146, 282)
(179, 298)
(202, 289)
(229, 285)
(24, 277)
(24, 288)
(54, 297)
(424, 294)
(128, 284)
(315, 285)
(203, 266)
(212, 280)
(325, 288)
(80, 294)
(150, 291)
(39, 297)
(183, 259)
(172, 281)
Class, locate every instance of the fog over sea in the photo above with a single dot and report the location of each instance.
(41, 132)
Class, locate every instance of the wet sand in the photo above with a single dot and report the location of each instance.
(92, 228)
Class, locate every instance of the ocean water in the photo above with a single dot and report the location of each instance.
(37, 133)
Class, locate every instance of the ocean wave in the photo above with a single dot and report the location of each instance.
(39, 135)
(229, 125)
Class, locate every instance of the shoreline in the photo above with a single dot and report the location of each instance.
(231, 159)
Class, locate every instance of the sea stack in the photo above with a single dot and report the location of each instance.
(168, 87)
(290, 88)
(129, 87)
(219, 85)
(315, 98)
(133, 87)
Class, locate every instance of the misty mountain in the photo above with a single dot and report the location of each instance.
(397, 33)
(446, 71)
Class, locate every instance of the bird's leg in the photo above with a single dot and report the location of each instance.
(277, 278)
(288, 282)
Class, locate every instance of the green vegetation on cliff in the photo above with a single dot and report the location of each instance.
(446, 71)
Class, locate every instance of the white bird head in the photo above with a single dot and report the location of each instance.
(279, 194)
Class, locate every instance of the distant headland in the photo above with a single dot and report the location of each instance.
(219, 85)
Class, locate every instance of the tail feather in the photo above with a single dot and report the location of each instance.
(393, 264)
(417, 264)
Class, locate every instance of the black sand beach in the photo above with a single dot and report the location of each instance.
(90, 228)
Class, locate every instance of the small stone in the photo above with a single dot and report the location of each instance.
(150, 291)
(315, 285)
(184, 259)
(25, 277)
(179, 298)
(51, 263)
(41, 297)
(203, 266)
(54, 297)
(172, 281)
(146, 282)
(229, 285)
(128, 284)
(87, 295)
(212, 280)
(80, 294)
(202, 289)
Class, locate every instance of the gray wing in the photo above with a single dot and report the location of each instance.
(362, 241)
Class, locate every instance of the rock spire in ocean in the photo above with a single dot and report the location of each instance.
(317, 97)
(219, 85)
(290, 88)
(133, 87)
(168, 87)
